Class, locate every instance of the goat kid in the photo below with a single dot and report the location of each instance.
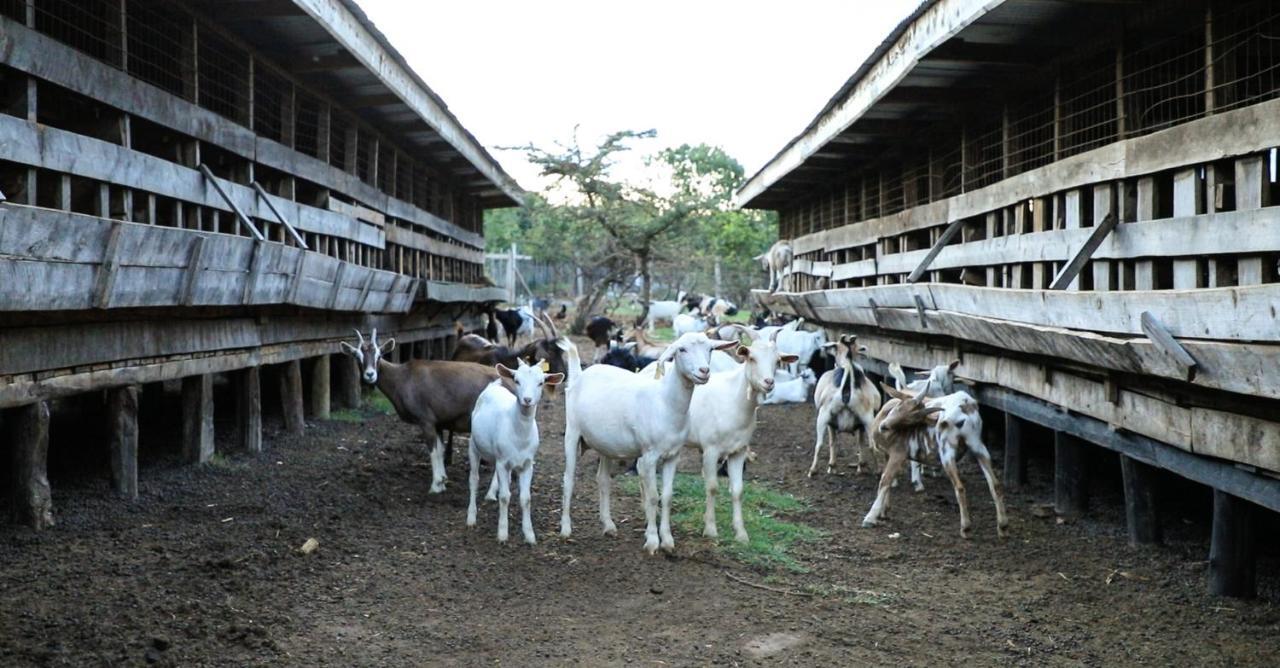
(847, 402)
(938, 381)
(435, 395)
(625, 416)
(908, 420)
(505, 434)
(722, 420)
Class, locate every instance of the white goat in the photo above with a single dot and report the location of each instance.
(722, 419)
(955, 425)
(625, 416)
(940, 381)
(722, 361)
(778, 261)
(663, 310)
(504, 432)
(793, 391)
(801, 343)
(685, 323)
(847, 402)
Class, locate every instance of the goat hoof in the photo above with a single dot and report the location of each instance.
(867, 524)
(811, 471)
(502, 538)
(651, 545)
(436, 487)
(918, 487)
(530, 539)
(565, 532)
(711, 533)
(965, 533)
(471, 521)
(490, 497)
(668, 546)
(742, 538)
(1002, 531)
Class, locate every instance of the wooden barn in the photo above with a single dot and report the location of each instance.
(217, 193)
(1077, 199)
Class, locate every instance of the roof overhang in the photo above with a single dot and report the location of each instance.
(333, 45)
(943, 61)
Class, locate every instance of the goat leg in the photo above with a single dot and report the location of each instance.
(668, 483)
(711, 481)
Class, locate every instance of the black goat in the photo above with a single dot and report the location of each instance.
(598, 330)
(625, 359)
(514, 322)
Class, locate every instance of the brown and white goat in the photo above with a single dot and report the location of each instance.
(910, 422)
(435, 395)
(846, 401)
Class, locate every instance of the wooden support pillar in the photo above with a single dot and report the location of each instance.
(197, 418)
(248, 390)
(1188, 200)
(318, 402)
(291, 400)
(1140, 501)
(346, 381)
(1104, 204)
(27, 433)
(1015, 461)
(1251, 174)
(122, 431)
(1144, 276)
(1069, 490)
(1232, 558)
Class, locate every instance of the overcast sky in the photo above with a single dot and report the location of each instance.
(747, 76)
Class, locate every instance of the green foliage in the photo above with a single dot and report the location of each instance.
(375, 403)
(772, 538)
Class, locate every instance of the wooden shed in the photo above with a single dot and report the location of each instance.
(195, 188)
(1077, 200)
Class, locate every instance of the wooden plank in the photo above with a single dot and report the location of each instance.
(1070, 491)
(1237, 438)
(364, 291)
(318, 397)
(1073, 268)
(292, 403)
(947, 235)
(248, 389)
(295, 281)
(1015, 461)
(337, 284)
(266, 199)
(1142, 519)
(107, 269)
(1159, 335)
(254, 273)
(197, 418)
(192, 280)
(240, 215)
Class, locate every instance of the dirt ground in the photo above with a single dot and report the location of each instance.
(204, 569)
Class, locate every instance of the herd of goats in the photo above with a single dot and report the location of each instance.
(642, 402)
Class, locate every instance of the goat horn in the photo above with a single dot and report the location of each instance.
(360, 337)
(550, 323)
(373, 337)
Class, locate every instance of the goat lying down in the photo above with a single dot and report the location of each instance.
(505, 433)
(625, 416)
(905, 427)
(846, 401)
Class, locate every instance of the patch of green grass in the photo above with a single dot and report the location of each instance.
(763, 509)
(850, 595)
(375, 403)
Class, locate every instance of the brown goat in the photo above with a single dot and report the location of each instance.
(435, 395)
(473, 348)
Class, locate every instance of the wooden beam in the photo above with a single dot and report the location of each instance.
(197, 418)
(1140, 506)
(1159, 334)
(248, 390)
(255, 272)
(318, 399)
(27, 434)
(291, 399)
(1233, 569)
(107, 269)
(1070, 491)
(946, 237)
(240, 216)
(1073, 268)
(191, 280)
(122, 433)
(1015, 461)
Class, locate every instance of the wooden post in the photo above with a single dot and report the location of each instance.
(319, 399)
(1104, 204)
(248, 389)
(1069, 491)
(1232, 563)
(1140, 501)
(346, 381)
(197, 418)
(1188, 200)
(122, 431)
(1015, 461)
(291, 402)
(27, 431)
(1251, 173)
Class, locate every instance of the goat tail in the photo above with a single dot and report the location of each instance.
(899, 378)
(574, 363)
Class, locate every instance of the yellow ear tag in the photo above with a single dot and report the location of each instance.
(545, 366)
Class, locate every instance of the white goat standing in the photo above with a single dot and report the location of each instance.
(722, 419)
(504, 431)
(802, 343)
(685, 323)
(847, 402)
(777, 260)
(625, 416)
(663, 310)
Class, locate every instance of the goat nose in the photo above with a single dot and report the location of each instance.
(768, 382)
(704, 370)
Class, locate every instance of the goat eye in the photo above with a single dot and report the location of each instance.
(683, 350)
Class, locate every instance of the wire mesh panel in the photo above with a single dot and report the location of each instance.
(92, 26)
(161, 41)
(306, 137)
(339, 127)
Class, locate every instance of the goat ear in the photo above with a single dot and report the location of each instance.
(831, 344)
(504, 371)
(788, 358)
(725, 345)
(553, 378)
(350, 349)
(953, 365)
(387, 346)
(742, 351)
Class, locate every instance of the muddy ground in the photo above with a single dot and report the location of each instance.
(204, 569)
